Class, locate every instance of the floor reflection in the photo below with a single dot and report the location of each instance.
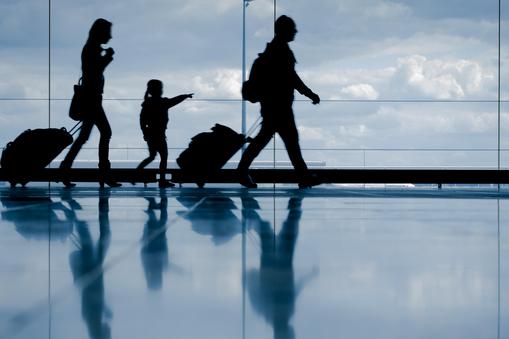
(154, 249)
(37, 218)
(272, 288)
(87, 270)
(213, 217)
(388, 267)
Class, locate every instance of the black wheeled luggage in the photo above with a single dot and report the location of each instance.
(33, 150)
(208, 152)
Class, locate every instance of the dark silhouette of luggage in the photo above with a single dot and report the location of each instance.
(208, 152)
(33, 150)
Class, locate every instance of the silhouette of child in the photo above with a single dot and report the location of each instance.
(153, 123)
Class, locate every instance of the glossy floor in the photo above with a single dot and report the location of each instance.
(228, 263)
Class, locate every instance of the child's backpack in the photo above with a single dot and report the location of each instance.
(252, 89)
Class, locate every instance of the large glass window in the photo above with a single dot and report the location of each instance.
(402, 83)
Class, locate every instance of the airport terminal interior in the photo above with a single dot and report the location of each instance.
(388, 86)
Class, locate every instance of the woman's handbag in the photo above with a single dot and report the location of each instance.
(78, 107)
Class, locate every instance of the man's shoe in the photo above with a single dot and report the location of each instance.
(166, 184)
(309, 181)
(246, 181)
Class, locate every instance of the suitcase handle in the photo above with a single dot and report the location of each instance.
(75, 128)
(253, 128)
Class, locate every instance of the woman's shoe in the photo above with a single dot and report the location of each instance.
(68, 184)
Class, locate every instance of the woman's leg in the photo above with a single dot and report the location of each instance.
(104, 139)
(104, 144)
(86, 129)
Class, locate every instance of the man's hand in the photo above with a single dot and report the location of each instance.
(314, 98)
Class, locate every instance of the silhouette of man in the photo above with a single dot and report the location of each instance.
(94, 60)
(273, 289)
(276, 98)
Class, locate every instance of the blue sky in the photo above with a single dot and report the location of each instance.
(352, 49)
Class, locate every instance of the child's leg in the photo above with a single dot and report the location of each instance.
(152, 155)
(163, 153)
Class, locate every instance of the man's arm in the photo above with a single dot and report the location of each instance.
(305, 90)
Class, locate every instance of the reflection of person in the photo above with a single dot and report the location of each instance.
(94, 60)
(272, 289)
(87, 269)
(276, 99)
(154, 251)
(153, 122)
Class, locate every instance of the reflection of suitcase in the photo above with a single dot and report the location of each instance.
(208, 152)
(33, 150)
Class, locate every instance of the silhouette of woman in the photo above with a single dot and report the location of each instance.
(88, 261)
(94, 60)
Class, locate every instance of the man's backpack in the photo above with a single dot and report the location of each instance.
(252, 89)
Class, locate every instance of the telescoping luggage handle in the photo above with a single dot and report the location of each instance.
(255, 125)
(76, 128)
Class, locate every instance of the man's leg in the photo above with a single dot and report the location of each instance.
(290, 136)
(288, 132)
(251, 152)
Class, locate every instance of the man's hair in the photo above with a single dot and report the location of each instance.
(283, 23)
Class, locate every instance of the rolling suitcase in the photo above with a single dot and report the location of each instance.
(33, 150)
(208, 152)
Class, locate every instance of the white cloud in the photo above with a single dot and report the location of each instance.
(221, 83)
(439, 79)
(312, 133)
(360, 91)
(356, 131)
(262, 9)
(373, 9)
(422, 120)
(387, 9)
